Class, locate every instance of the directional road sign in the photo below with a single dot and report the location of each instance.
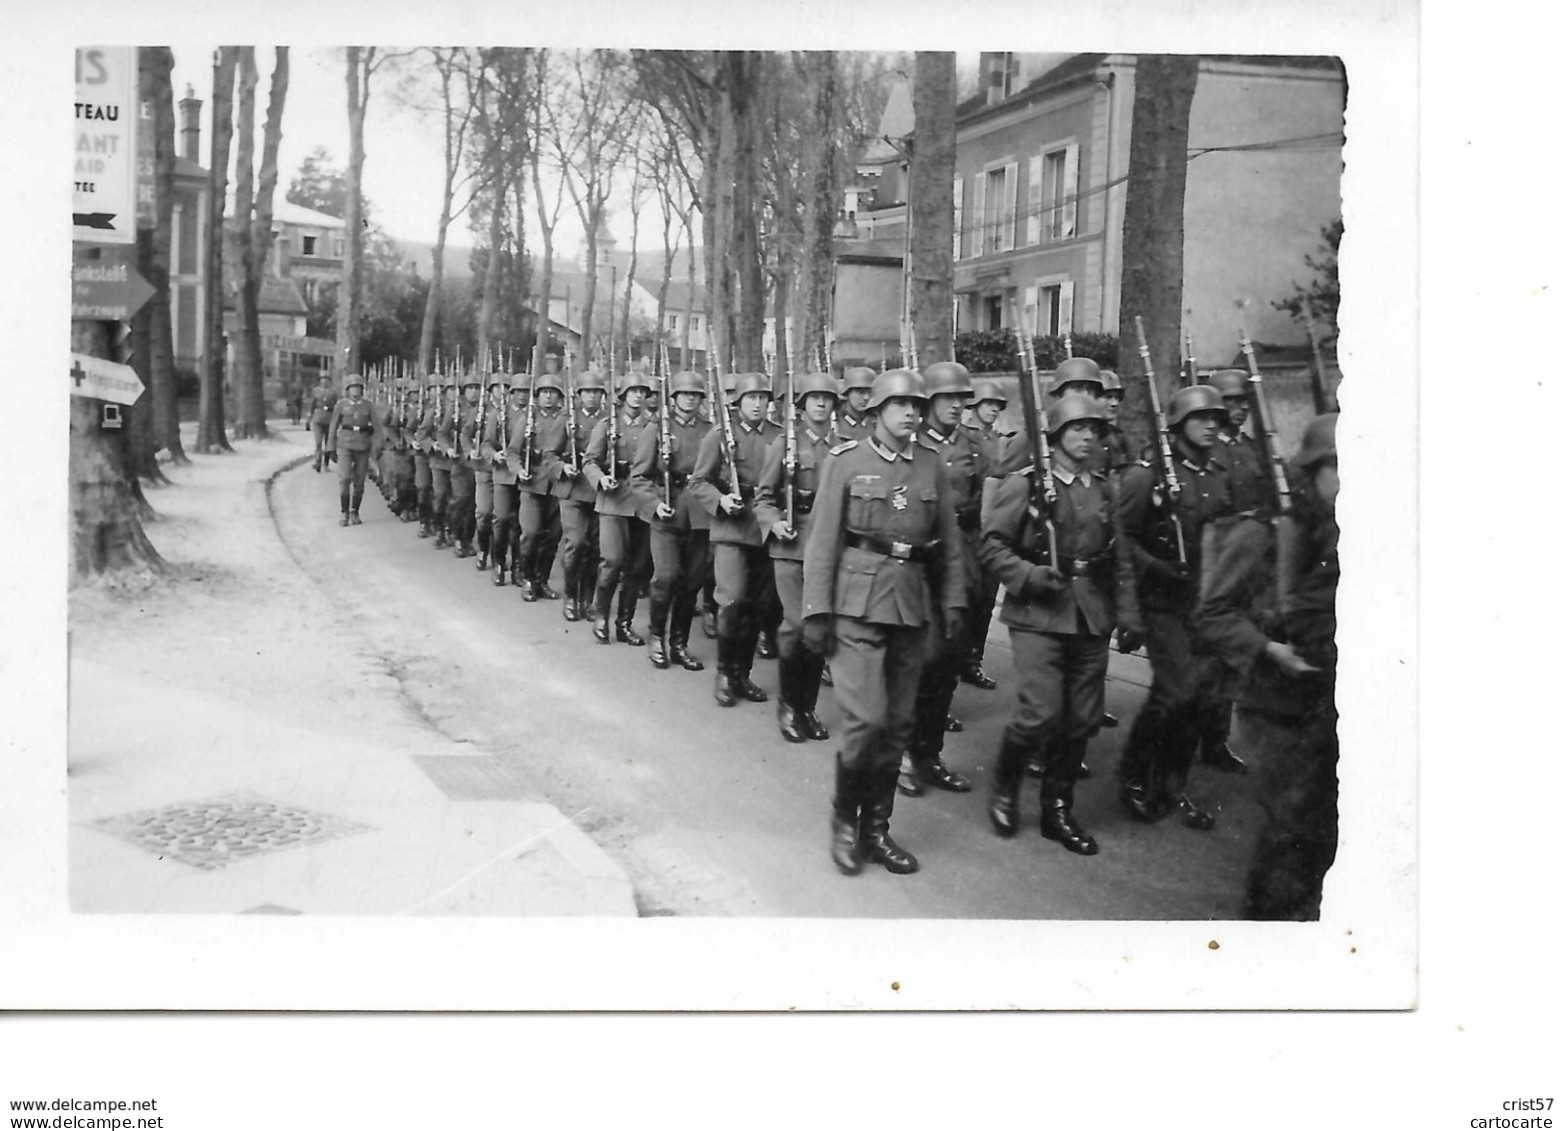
(109, 292)
(106, 112)
(105, 380)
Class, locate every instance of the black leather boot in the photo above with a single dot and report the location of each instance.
(678, 652)
(723, 690)
(934, 772)
(657, 651)
(623, 628)
(570, 607)
(973, 674)
(907, 780)
(528, 590)
(844, 817)
(708, 622)
(1004, 805)
(874, 843)
(788, 714)
(765, 647)
(1220, 756)
(343, 520)
(1058, 798)
(353, 519)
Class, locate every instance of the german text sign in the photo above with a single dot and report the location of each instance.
(108, 292)
(107, 107)
(105, 380)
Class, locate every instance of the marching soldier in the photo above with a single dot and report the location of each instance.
(440, 430)
(1185, 680)
(577, 497)
(423, 450)
(987, 403)
(1114, 454)
(708, 582)
(400, 464)
(463, 473)
(679, 526)
(1060, 614)
(482, 461)
(623, 534)
(1268, 609)
(321, 403)
(884, 559)
(503, 429)
(725, 487)
(785, 523)
(356, 441)
(948, 386)
(537, 468)
(852, 422)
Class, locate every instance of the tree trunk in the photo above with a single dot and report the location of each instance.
(720, 281)
(163, 394)
(689, 302)
(140, 422)
(349, 309)
(211, 435)
(496, 237)
(819, 210)
(248, 378)
(431, 307)
(589, 305)
(106, 532)
(744, 215)
(782, 286)
(629, 283)
(1153, 228)
(931, 206)
(258, 245)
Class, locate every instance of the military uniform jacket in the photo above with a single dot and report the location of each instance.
(1146, 517)
(1098, 576)
(770, 497)
(649, 473)
(321, 405)
(712, 479)
(353, 427)
(495, 443)
(578, 487)
(850, 427)
(1248, 476)
(964, 469)
(624, 499)
(548, 440)
(883, 543)
(1112, 454)
(467, 438)
(433, 436)
(990, 442)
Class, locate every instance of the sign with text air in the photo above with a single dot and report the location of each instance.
(108, 106)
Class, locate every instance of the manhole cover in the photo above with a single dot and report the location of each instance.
(474, 777)
(213, 834)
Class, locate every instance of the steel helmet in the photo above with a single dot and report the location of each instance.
(988, 390)
(686, 381)
(896, 383)
(814, 383)
(634, 379)
(729, 383)
(1073, 369)
(1112, 384)
(746, 383)
(548, 381)
(1230, 382)
(1318, 441)
(1072, 407)
(947, 377)
(858, 377)
(350, 380)
(500, 381)
(591, 379)
(472, 381)
(1195, 398)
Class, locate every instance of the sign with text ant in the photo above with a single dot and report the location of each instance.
(108, 106)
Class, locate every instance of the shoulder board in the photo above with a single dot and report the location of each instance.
(846, 447)
(1224, 438)
(1142, 463)
(923, 439)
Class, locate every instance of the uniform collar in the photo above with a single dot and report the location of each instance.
(938, 437)
(815, 436)
(1064, 475)
(887, 453)
(686, 420)
(751, 428)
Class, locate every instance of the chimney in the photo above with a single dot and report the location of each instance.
(190, 130)
(993, 69)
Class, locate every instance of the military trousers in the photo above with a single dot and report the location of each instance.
(1187, 685)
(626, 555)
(876, 668)
(539, 535)
(743, 578)
(321, 433)
(440, 494)
(941, 675)
(505, 507)
(1299, 794)
(351, 469)
(578, 545)
(1060, 683)
(678, 565)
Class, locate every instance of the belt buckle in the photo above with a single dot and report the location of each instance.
(1080, 567)
(902, 550)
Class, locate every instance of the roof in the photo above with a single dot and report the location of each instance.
(277, 296)
(1075, 69)
(885, 249)
(679, 295)
(284, 211)
(896, 121)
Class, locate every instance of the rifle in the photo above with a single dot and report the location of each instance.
(911, 343)
(477, 435)
(725, 423)
(1321, 402)
(790, 450)
(1044, 491)
(1264, 429)
(665, 440)
(1190, 366)
(1069, 346)
(613, 430)
(1169, 475)
(572, 421)
(529, 430)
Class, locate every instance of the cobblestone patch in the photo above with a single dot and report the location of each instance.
(214, 833)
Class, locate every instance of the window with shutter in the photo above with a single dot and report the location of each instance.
(1011, 197)
(1034, 201)
(1029, 321)
(1066, 307)
(1072, 192)
(979, 221)
(960, 185)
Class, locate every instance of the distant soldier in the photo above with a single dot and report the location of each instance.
(742, 567)
(623, 534)
(1186, 680)
(321, 401)
(852, 422)
(483, 465)
(463, 475)
(352, 435)
(1113, 454)
(1061, 615)
(785, 523)
(708, 582)
(399, 463)
(884, 560)
(537, 468)
(439, 429)
(1268, 609)
(679, 525)
(1073, 375)
(948, 385)
(987, 403)
(578, 500)
(422, 437)
(503, 430)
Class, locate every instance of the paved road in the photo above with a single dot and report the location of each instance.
(709, 811)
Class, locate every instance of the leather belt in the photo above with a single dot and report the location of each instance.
(354, 427)
(902, 551)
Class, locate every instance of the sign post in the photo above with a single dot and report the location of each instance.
(104, 380)
(108, 107)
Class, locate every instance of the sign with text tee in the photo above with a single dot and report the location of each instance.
(107, 108)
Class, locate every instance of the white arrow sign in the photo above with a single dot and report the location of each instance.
(104, 380)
